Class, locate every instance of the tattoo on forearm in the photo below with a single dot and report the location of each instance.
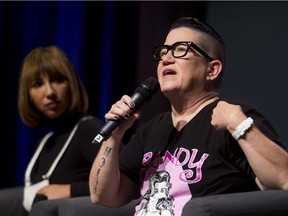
(96, 181)
(101, 164)
(107, 151)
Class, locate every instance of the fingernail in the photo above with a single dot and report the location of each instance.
(127, 116)
(132, 104)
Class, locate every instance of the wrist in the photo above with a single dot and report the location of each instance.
(242, 128)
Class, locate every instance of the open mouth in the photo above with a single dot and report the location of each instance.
(168, 72)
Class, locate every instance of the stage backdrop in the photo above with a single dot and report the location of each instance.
(110, 44)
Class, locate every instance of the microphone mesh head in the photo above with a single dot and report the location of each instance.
(148, 88)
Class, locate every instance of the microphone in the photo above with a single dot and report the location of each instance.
(142, 94)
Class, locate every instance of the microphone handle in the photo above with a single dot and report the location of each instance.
(106, 131)
(109, 127)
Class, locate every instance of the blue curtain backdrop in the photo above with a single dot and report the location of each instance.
(45, 23)
(101, 39)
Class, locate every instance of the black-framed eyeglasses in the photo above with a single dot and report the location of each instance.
(178, 49)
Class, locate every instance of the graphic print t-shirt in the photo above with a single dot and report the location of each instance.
(174, 166)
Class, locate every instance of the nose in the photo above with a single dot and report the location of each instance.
(168, 56)
(49, 90)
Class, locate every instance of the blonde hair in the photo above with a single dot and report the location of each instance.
(48, 60)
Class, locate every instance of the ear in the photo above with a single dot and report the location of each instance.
(214, 69)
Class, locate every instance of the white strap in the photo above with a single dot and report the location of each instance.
(34, 158)
(50, 171)
(39, 149)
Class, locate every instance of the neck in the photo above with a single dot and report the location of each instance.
(183, 113)
(63, 123)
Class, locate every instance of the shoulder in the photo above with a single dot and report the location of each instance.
(88, 127)
(89, 120)
(260, 120)
(246, 106)
(249, 109)
(89, 124)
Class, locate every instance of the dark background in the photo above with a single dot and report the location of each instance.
(110, 44)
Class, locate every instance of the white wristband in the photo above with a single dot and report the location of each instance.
(242, 128)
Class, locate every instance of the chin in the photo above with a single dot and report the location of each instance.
(52, 115)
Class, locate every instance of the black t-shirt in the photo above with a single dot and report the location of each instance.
(174, 166)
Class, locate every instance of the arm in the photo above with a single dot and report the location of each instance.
(56, 191)
(268, 160)
(107, 185)
(59, 191)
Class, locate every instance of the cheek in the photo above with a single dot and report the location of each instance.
(35, 95)
(65, 95)
(159, 66)
(62, 90)
(66, 92)
(197, 70)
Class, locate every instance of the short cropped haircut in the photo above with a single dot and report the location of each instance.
(194, 23)
(48, 61)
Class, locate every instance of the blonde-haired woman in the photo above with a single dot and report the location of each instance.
(51, 94)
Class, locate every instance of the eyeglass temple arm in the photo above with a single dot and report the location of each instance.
(201, 51)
